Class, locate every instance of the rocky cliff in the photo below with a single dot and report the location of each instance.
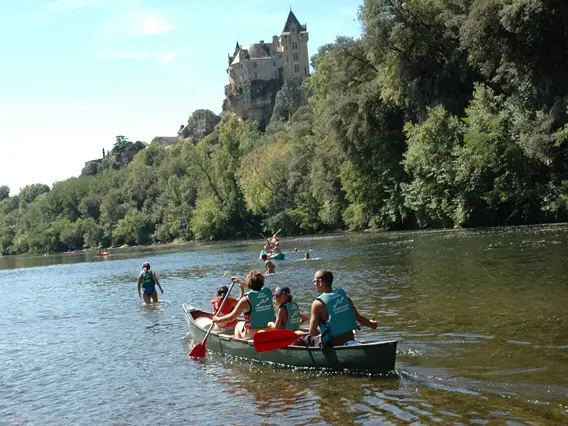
(292, 96)
(200, 124)
(265, 100)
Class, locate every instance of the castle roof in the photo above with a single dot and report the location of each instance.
(293, 20)
(258, 50)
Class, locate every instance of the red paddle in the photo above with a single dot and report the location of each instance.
(269, 340)
(199, 350)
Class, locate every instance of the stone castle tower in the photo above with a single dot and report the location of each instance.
(258, 71)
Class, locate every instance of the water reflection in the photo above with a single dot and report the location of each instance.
(288, 394)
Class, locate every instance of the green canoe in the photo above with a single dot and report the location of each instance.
(278, 256)
(365, 357)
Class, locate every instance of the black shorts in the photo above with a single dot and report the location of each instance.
(310, 341)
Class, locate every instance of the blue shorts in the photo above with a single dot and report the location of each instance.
(149, 290)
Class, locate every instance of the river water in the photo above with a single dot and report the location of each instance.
(481, 315)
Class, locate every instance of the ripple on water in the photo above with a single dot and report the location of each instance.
(93, 355)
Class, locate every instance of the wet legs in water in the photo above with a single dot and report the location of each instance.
(153, 297)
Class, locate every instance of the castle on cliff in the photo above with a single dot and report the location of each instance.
(258, 71)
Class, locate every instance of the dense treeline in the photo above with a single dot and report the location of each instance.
(444, 113)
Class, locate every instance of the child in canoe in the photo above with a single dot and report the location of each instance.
(289, 315)
(230, 303)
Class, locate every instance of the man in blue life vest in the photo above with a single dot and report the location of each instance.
(147, 279)
(333, 315)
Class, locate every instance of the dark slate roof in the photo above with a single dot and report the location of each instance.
(293, 20)
(258, 50)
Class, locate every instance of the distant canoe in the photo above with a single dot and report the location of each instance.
(367, 357)
(104, 253)
(278, 256)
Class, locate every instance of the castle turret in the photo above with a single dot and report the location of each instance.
(294, 41)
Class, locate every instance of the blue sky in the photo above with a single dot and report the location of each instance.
(76, 73)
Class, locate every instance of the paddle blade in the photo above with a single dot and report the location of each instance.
(198, 351)
(270, 340)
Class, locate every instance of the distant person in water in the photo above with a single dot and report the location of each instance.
(307, 255)
(147, 281)
(270, 267)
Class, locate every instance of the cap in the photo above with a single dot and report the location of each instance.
(282, 290)
(221, 291)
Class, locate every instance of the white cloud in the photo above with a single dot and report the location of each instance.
(148, 23)
(135, 21)
(161, 57)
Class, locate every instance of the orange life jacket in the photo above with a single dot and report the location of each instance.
(227, 309)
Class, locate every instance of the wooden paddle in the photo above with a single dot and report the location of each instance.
(199, 350)
(270, 340)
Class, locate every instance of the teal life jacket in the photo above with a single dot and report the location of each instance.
(341, 317)
(261, 308)
(294, 320)
(146, 278)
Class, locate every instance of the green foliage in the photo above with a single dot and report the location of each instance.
(444, 113)
(4, 192)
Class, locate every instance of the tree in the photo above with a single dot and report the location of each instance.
(4, 192)
(30, 192)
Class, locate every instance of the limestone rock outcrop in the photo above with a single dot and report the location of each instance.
(200, 124)
(292, 96)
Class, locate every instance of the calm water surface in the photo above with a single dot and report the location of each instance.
(481, 315)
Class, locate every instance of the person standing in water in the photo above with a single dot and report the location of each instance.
(270, 267)
(147, 281)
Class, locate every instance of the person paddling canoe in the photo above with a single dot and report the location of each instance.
(268, 246)
(147, 279)
(255, 304)
(334, 313)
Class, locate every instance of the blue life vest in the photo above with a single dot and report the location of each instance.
(261, 308)
(294, 319)
(341, 317)
(147, 280)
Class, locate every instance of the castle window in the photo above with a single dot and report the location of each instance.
(295, 45)
(297, 69)
(275, 73)
(255, 75)
(274, 63)
(254, 64)
(286, 48)
(296, 56)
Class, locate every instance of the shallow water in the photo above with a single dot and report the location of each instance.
(481, 315)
